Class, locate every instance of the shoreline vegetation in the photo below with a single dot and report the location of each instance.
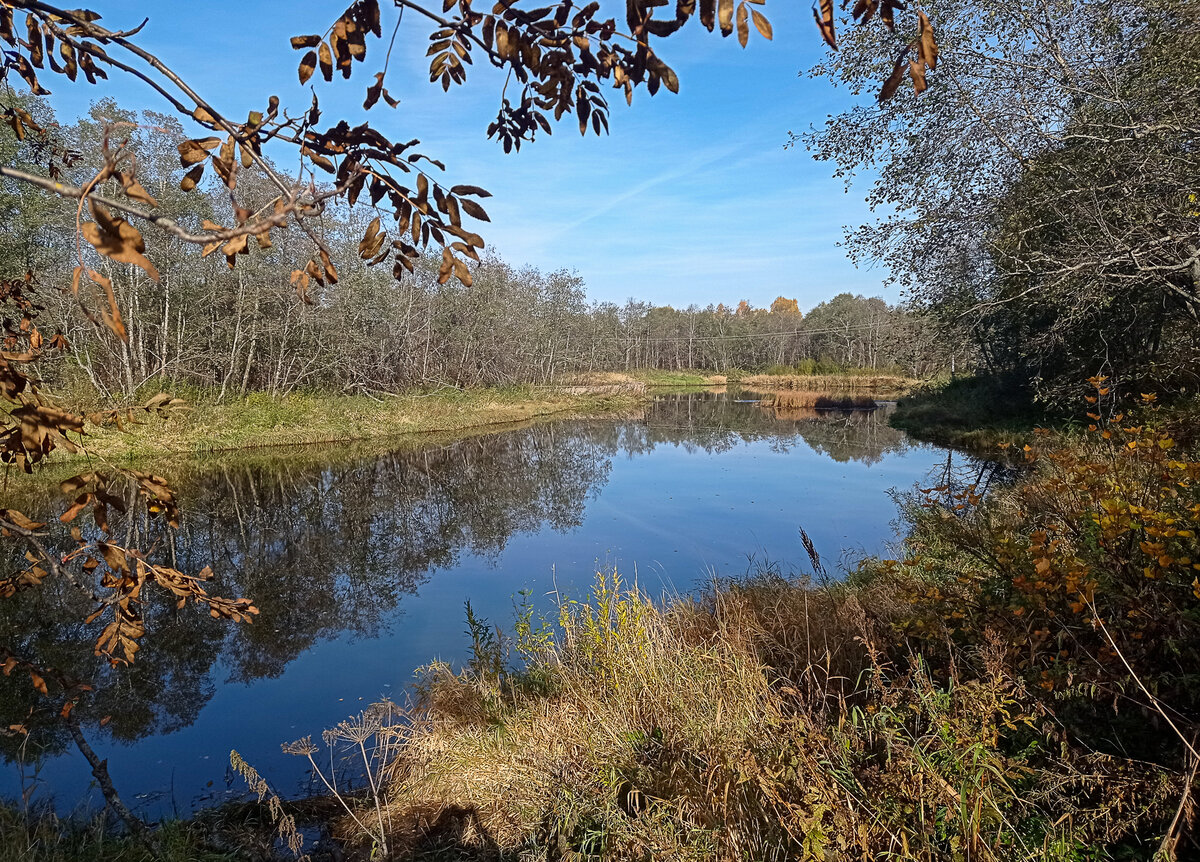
(205, 426)
(975, 413)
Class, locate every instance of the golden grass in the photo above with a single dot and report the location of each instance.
(260, 421)
(762, 721)
(649, 377)
(792, 399)
(879, 383)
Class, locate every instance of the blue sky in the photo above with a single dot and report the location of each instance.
(691, 199)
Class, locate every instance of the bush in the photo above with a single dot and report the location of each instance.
(1087, 572)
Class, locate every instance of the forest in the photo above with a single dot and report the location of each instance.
(238, 331)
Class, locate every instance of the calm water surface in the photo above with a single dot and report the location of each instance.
(361, 567)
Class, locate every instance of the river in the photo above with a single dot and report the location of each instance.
(361, 563)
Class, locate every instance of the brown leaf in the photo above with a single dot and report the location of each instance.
(70, 486)
(473, 209)
(134, 189)
(743, 24)
(191, 152)
(928, 48)
(20, 520)
(112, 317)
(326, 59)
(893, 82)
(864, 10)
(192, 178)
(887, 12)
(237, 245)
(38, 682)
(117, 240)
(300, 42)
(35, 40)
(725, 16)
(916, 68)
(308, 65)
(78, 506)
(331, 274)
(114, 556)
(825, 23)
(470, 190)
(762, 24)
(369, 240)
(26, 71)
(374, 92)
(318, 160)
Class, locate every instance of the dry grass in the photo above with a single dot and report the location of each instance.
(793, 399)
(650, 377)
(877, 383)
(762, 721)
(261, 421)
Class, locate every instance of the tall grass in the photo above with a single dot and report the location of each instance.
(768, 719)
(42, 836)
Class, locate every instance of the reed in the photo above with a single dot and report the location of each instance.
(794, 399)
(881, 383)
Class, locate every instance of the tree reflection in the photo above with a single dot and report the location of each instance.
(325, 549)
(329, 543)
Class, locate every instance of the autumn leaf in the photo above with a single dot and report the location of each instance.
(825, 23)
(762, 24)
(191, 178)
(893, 82)
(308, 65)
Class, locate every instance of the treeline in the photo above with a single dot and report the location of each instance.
(246, 329)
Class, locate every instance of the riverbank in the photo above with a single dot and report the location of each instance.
(202, 425)
(953, 702)
(971, 413)
(259, 421)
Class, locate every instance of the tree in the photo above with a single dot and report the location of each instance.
(785, 306)
(1043, 209)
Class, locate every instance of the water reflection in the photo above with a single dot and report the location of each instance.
(329, 545)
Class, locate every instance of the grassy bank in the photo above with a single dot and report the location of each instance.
(1020, 684)
(779, 378)
(261, 421)
(792, 399)
(859, 382)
